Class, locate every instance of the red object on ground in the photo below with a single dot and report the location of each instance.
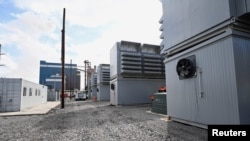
(162, 89)
(65, 95)
(152, 97)
(94, 98)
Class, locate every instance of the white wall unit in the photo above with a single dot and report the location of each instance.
(17, 94)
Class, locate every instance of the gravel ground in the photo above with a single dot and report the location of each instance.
(97, 121)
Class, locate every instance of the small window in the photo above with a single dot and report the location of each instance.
(30, 92)
(39, 92)
(24, 91)
(36, 92)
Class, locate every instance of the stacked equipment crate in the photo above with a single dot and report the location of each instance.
(136, 72)
(103, 78)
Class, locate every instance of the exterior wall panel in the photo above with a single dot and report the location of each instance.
(103, 79)
(114, 92)
(242, 66)
(242, 6)
(218, 104)
(248, 5)
(93, 91)
(193, 17)
(35, 98)
(103, 92)
(10, 98)
(114, 67)
(134, 91)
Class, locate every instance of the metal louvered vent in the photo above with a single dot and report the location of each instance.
(130, 62)
(152, 64)
(103, 72)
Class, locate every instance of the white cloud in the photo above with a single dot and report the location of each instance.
(132, 20)
(33, 24)
(23, 35)
(89, 13)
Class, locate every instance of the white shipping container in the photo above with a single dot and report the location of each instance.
(17, 94)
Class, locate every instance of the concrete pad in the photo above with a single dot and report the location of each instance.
(34, 110)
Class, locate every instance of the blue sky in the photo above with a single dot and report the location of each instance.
(30, 31)
(6, 9)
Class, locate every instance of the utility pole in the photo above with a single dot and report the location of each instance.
(70, 81)
(63, 59)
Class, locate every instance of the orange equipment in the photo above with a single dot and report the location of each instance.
(162, 89)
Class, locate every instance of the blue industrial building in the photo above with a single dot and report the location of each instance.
(50, 75)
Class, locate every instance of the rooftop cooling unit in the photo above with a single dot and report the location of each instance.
(186, 67)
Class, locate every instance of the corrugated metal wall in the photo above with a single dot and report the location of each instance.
(93, 84)
(134, 91)
(218, 104)
(242, 66)
(195, 16)
(114, 92)
(114, 67)
(103, 92)
(10, 95)
(103, 78)
(218, 34)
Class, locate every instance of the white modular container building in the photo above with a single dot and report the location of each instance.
(208, 63)
(136, 72)
(103, 80)
(17, 94)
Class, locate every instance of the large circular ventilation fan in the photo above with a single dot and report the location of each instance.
(185, 68)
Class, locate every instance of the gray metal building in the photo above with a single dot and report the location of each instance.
(207, 60)
(103, 86)
(53, 96)
(136, 72)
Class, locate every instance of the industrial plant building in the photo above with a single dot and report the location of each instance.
(50, 75)
(206, 45)
(17, 94)
(88, 85)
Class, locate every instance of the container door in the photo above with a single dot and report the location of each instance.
(98, 93)
(113, 93)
